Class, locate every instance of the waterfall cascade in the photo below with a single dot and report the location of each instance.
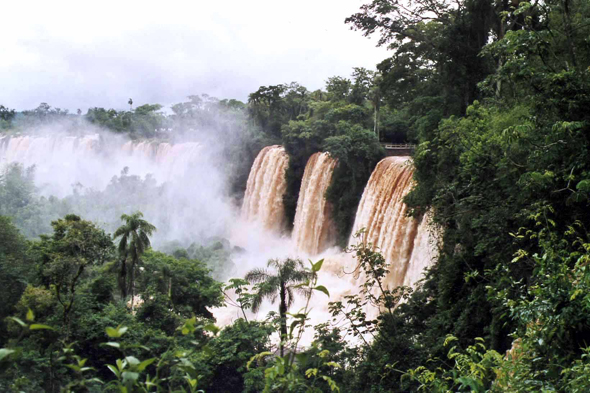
(404, 242)
(263, 201)
(30, 149)
(313, 229)
(184, 196)
(194, 194)
(74, 159)
(60, 158)
(168, 160)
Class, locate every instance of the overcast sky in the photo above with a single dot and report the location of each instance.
(80, 54)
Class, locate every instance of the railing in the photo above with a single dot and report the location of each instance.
(399, 146)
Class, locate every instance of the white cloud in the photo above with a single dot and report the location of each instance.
(75, 55)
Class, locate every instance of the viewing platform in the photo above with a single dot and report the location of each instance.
(398, 149)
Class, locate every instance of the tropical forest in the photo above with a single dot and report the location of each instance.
(416, 226)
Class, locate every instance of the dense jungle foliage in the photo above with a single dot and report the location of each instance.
(495, 94)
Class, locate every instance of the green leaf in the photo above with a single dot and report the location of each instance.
(132, 361)
(575, 294)
(302, 285)
(38, 326)
(256, 357)
(19, 321)
(584, 185)
(301, 358)
(145, 363)
(113, 344)
(294, 325)
(210, 327)
(315, 267)
(129, 377)
(138, 346)
(116, 332)
(331, 383)
(114, 370)
(112, 332)
(474, 385)
(323, 289)
(73, 367)
(30, 315)
(5, 352)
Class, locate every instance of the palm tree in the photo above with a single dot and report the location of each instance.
(134, 241)
(279, 283)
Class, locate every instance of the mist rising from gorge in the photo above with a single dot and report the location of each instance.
(183, 180)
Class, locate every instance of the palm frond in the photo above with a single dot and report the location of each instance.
(145, 240)
(256, 302)
(146, 227)
(274, 263)
(123, 245)
(305, 292)
(263, 291)
(290, 297)
(122, 230)
(257, 275)
(298, 276)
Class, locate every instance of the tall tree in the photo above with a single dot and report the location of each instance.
(282, 281)
(75, 245)
(134, 241)
(6, 116)
(15, 270)
(436, 63)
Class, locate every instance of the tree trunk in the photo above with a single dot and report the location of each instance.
(569, 33)
(123, 279)
(132, 283)
(376, 122)
(283, 316)
(501, 33)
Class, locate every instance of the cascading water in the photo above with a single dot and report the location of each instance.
(190, 206)
(313, 229)
(57, 157)
(263, 201)
(69, 160)
(404, 242)
(165, 159)
(192, 203)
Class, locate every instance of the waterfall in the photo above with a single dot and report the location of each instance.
(313, 229)
(92, 161)
(62, 158)
(263, 201)
(404, 242)
(31, 150)
(185, 197)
